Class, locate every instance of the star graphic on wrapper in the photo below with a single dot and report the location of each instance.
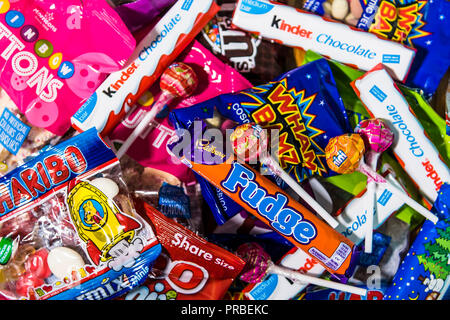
(441, 17)
(428, 42)
(321, 103)
(308, 76)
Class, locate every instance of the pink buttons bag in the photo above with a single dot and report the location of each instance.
(54, 54)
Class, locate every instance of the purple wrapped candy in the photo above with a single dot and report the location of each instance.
(139, 13)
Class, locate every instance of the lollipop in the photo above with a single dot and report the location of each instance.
(345, 154)
(249, 143)
(259, 264)
(378, 137)
(178, 81)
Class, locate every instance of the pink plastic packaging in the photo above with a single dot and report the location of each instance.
(149, 150)
(54, 54)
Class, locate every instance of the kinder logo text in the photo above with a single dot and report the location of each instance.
(281, 24)
(282, 218)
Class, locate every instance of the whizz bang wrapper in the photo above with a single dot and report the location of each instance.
(303, 104)
(74, 231)
(414, 150)
(262, 198)
(335, 40)
(121, 90)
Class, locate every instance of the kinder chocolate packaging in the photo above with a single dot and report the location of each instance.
(115, 97)
(357, 13)
(212, 269)
(303, 104)
(137, 14)
(424, 272)
(45, 74)
(149, 149)
(414, 150)
(335, 40)
(69, 229)
(257, 59)
(261, 197)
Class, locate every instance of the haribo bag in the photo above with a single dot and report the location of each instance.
(68, 227)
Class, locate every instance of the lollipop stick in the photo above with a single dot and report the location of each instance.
(372, 159)
(271, 163)
(297, 276)
(409, 201)
(149, 117)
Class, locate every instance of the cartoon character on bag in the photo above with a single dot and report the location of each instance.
(107, 232)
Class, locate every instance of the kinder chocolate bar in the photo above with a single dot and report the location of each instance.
(212, 269)
(121, 90)
(335, 40)
(424, 272)
(261, 197)
(415, 152)
(47, 76)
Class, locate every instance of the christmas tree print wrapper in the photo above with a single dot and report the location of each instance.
(424, 273)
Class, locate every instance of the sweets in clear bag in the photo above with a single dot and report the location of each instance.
(68, 227)
(54, 55)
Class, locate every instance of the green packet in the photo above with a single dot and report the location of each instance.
(433, 124)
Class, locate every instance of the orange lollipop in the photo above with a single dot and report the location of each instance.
(345, 154)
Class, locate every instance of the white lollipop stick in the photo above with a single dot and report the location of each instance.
(300, 277)
(275, 167)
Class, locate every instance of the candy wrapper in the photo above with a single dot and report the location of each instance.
(137, 14)
(330, 294)
(303, 104)
(415, 151)
(335, 40)
(257, 59)
(262, 198)
(115, 97)
(212, 268)
(424, 272)
(422, 25)
(18, 138)
(150, 148)
(47, 76)
(68, 227)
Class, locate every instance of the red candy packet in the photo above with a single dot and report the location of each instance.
(189, 267)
